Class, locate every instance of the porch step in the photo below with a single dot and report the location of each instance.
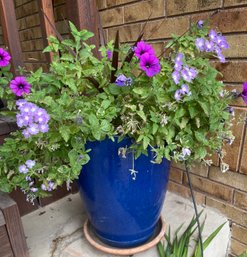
(56, 230)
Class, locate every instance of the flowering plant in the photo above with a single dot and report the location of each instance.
(174, 103)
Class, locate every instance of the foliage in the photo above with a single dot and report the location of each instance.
(179, 246)
(84, 105)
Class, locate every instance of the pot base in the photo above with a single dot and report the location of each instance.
(95, 242)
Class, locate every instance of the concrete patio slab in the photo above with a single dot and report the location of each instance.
(56, 230)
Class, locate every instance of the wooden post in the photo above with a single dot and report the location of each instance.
(13, 226)
(84, 14)
(45, 6)
(10, 32)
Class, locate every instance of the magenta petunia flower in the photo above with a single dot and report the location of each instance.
(150, 64)
(4, 58)
(20, 86)
(143, 48)
(244, 92)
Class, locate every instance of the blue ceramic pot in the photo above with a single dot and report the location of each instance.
(123, 208)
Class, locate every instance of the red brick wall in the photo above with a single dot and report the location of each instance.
(225, 192)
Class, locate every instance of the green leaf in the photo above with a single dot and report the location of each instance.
(65, 132)
(142, 115)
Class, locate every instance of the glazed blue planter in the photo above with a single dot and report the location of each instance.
(123, 208)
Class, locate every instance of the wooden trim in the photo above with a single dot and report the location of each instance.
(2, 220)
(10, 32)
(45, 6)
(14, 226)
(83, 13)
(5, 247)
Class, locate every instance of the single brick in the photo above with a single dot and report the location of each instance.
(233, 213)
(101, 4)
(200, 169)
(239, 233)
(230, 20)
(232, 179)
(163, 28)
(233, 71)
(62, 27)
(234, 2)
(178, 165)
(33, 20)
(183, 6)
(60, 13)
(143, 9)
(176, 175)
(21, 24)
(233, 151)
(111, 3)
(212, 188)
(127, 33)
(237, 46)
(185, 192)
(237, 247)
(27, 9)
(31, 33)
(240, 199)
(112, 17)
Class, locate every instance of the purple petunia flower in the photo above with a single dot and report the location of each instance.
(150, 64)
(19, 86)
(4, 58)
(30, 164)
(244, 92)
(109, 54)
(176, 77)
(200, 24)
(143, 48)
(23, 169)
(200, 44)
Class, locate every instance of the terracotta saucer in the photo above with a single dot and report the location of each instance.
(95, 242)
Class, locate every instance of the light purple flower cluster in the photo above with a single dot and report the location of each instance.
(185, 152)
(215, 44)
(109, 54)
(184, 90)
(182, 71)
(32, 117)
(48, 187)
(29, 164)
(148, 61)
(4, 58)
(122, 80)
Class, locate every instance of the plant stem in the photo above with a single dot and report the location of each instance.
(195, 207)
